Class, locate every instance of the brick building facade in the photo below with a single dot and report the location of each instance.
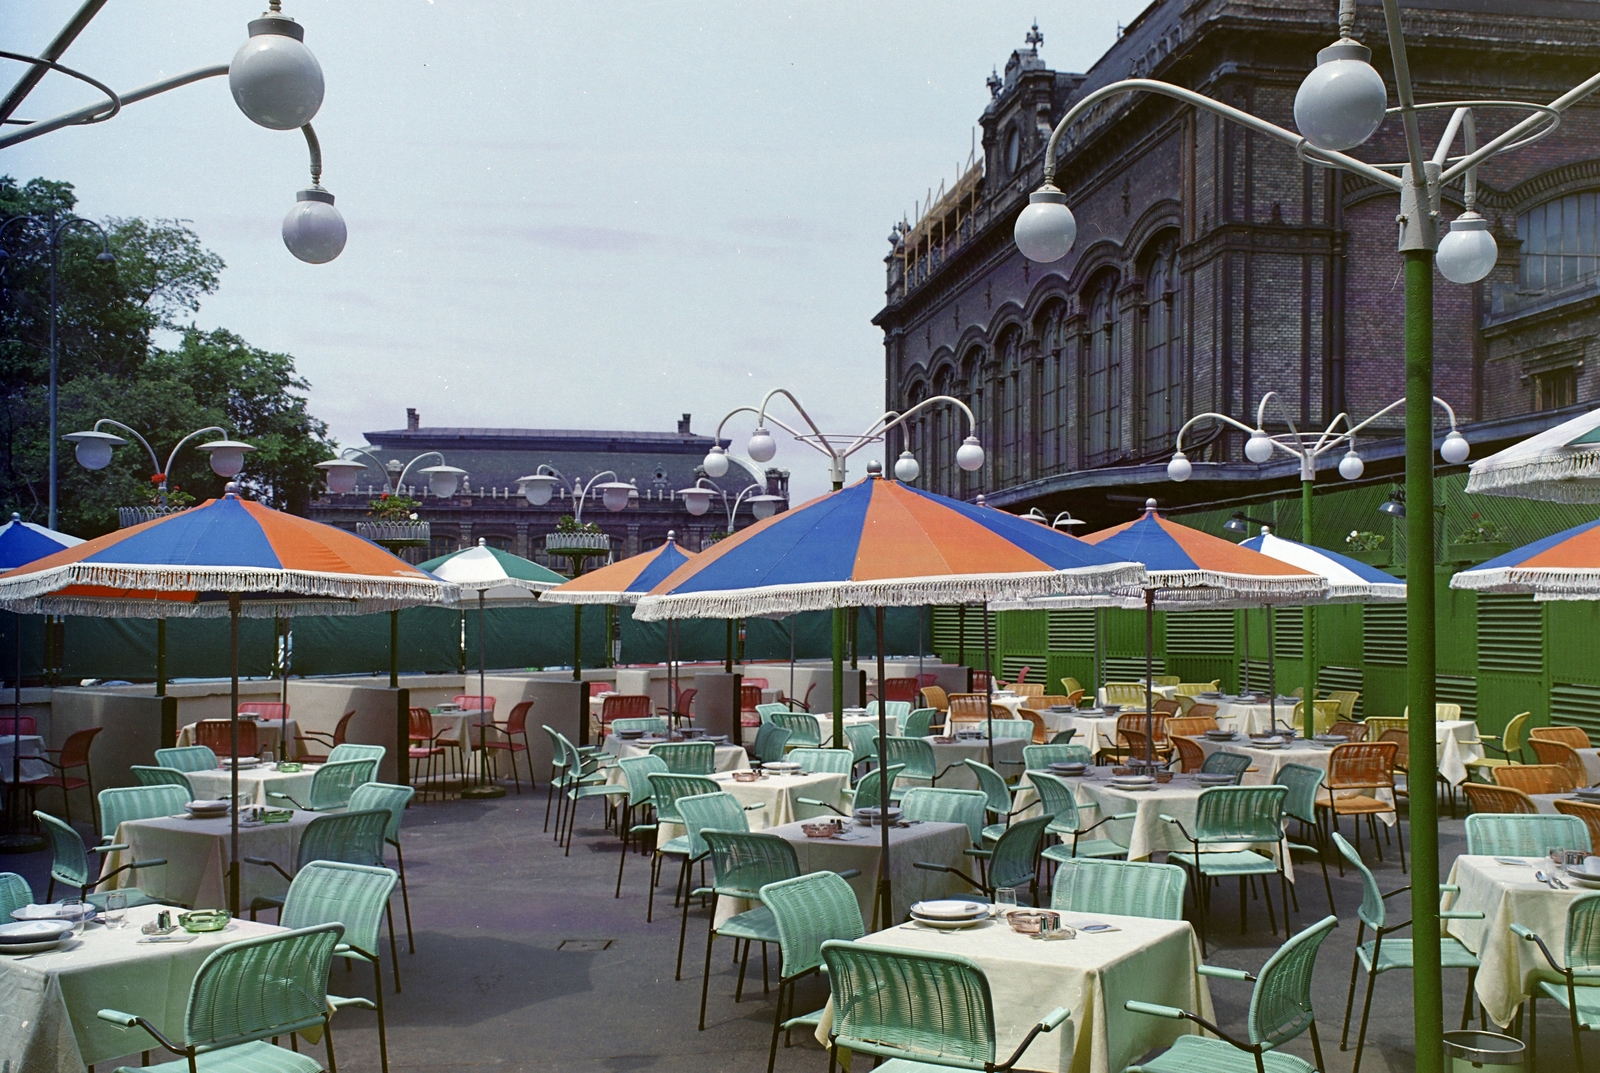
(1212, 266)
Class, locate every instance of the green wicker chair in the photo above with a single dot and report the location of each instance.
(567, 773)
(687, 757)
(636, 772)
(244, 994)
(1573, 983)
(898, 710)
(333, 784)
(1129, 888)
(187, 758)
(998, 792)
(770, 741)
(718, 811)
(347, 751)
(162, 776)
(1013, 862)
(666, 789)
(649, 724)
(125, 803)
(558, 773)
(1280, 1010)
(866, 793)
(937, 804)
(919, 724)
(829, 761)
(14, 894)
(863, 739)
(915, 757)
(69, 864)
(396, 799)
(1011, 728)
(325, 892)
(923, 1010)
(1300, 804)
(592, 783)
(1040, 757)
(741, 864)
(767, 711)
(802, 727)
(1223, 762)
(1500, 834)
(1056, 801)
(1064, 737)
(1384, 954)
(807, 911)
(1233, 814)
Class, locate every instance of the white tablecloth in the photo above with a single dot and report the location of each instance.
(1458, 743)
(825, 726)
(48, 1002)
(1506, 895)
(777, 794)
(1252, 718)
(1095, 731)
(1007, 759)
(254, 784)
(861, 848)
(32, 746)
(1591, 764)
(268, 733)
(728, 757)
(196, 851)
(1092, 976)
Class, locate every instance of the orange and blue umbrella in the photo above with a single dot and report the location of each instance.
(1565, 566)
(24, 542)
(623, 582)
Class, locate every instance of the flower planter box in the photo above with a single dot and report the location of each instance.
(130, 516)
(394, 535)
(577, 544)
(1379, 558)
(1478, 552)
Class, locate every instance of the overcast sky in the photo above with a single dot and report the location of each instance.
(562, 215)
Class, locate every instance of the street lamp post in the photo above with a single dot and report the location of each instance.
(1341, 103)
(697, 500)
(837, 448)
(92, 449)
(1306, 448)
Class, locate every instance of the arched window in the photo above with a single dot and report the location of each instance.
(943, 437)
(1101, 373)
(1560, 242)
(1162, 366)
(977, 396)
(1013, 159)
(1049, 329)
(1006, 408)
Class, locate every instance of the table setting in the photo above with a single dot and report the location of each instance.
(269, 732)
(727, 757)
(777, 789)
(852, 717)
(1096, 727)
(257, 778)
(31, 748)
(1251, 713)
(195, 846)
(948, 751)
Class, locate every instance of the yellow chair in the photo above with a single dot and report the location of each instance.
(1442, 711)
(1347, 701)
(1298, 692)
(934, 697)
(1124, 693)
(1070, 684)
(1509, 742)
(1325, 714)
(1168, 680)
(1191, 689)
(1185, 702)
(1378, 725)
(1028, 689)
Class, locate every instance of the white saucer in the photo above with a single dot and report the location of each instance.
(34, 948)
(950, 925)
(950, 909)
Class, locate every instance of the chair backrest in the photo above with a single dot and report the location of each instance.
(1019, 729)
(1022, 676)
(666, 788)
(217, 735)
(14, 894)
(354, 895)
(809, 910)
(1402, 747)
(1347, 701)
(1028, 689)
(1240, 814)
(419, 723)
(1511, 736)
(936, 804)
(1570, 736)
(831, 761)
(749, 696)
(687, 757)
(1302, 782)
(898, 710)
(900, 689)
(1349, 731)
(349, 837)
(1373, 912)
(335, 781)
(1508, 835)
(968, 707)
(1189, 689)
(720, 811)
(1378, 725)
(1056, 800)
(868, 793)
(1190, 726)
(473, 702)
(742, 862)
(767, 711)
(1562, 755)
(597, 688)
(1165, 707)
(685, 706)
(757, 681)
(624, 706)
(384, 795)
(994, 787)
(647, 724)
(162, 776)
(979, 679)
(636, 772)
(915, 754)
(1280, 1005)
(1048, 700)
(1498, 799)
(1015, 857)
(1536, 778)
(863, 739)
(517, 721)
(919, 724)
(935, 697)
(346, 751)
(69, 860)
(1036, 757)
(802, 727)
(925, 1007)
(124, 803)
(1125, 693)
(1127, 888)
(1223, 762)
(254, 989)
(1362, 765)
(271, 710)
(770, 740)
(1585, 811)
(10, 723)
(1190, 756)
(1201, 710)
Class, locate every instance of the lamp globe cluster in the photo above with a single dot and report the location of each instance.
(276, 81)
(1341, 103)
(716, 461)
(313, 230)
(537, 488)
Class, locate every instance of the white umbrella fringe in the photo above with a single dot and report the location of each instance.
(1546, 583)
(1574, 478)
(240, 579)
(626, 599)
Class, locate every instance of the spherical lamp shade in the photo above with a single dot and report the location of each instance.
(906, 467)
(93, 449)
(1341, 103)
(695, 500)
(1236, 524)
(1179, 468)
(313, 230)
(1045, 230)
(1258, 448)
(1351, 466)
(275, 79)
(537, 488)
(764, 506)
(762, 446)
(614, 494)
(340, 473)
(227, 456)
(716, 463)
(969, 456)
(1455, 448)
(1468, 251)
(443, 480)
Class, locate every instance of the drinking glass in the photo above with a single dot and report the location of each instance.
(1005, 898)
(116, 909)
(73, 908)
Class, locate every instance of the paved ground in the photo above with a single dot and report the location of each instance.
(509, 973)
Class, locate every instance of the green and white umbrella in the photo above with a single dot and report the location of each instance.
(1559, 465)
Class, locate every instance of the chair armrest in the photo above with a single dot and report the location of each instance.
(1533, 937)
(1449, 888)
(1397, 890)
(817, 804)
(265, 863)
(356, 1002)
(1225, 973)
(1178, 824)
(1048, 1024)
(848, 873)
(286, 797)
(1053, 1019)
(136, 865)
(1459, 914)
(973, 883)
(107, 847)
(973, 851)
(757, 805)
(1171, 1013)
(128, 1020)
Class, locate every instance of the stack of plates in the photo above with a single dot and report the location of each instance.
(54, 911)
(691, 733)
(1588, 793)
(1220, 735)
(1062, 709)
(1274, 742)
(1133, 782)
(1068, 767)
(206, 810)
(33, 936)
(949, 913)
(1330, 739)
(1214, 778)
(869, 816)
(243, 761)
(781, 767)
(1111, 709)
(1210, 694)
(630, 735)
(1586, 874)
(716, 739)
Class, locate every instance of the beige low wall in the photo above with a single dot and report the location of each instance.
(35, 705)
(131, 732)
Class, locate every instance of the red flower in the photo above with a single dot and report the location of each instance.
(157, 478)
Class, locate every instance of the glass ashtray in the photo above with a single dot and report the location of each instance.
(201, 920)
(1033, 921)
(288, 766)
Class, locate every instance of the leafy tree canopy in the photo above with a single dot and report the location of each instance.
(111, 366)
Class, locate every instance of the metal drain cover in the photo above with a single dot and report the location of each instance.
(585, 946)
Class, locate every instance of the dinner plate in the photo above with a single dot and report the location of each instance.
(950, 909)
(781, 767)
(34, 948)
(950, 925)
(32, 931)
(51, 911)
(1582, 877)
(1588, 794)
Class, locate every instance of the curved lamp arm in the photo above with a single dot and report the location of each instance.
(400, 481)
(197, 432)
(580, 493)
(91, 113)
(893, 419)
(155, 463)
(760, 417)
(377, 463)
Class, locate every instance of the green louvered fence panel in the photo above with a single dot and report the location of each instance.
(1200, 633)
(1025, 631)
(1131, 668)
(1010, 664)
(1260, 672)
(1510, 634)
(1342, 678)
(1457, 689)
(1576, 704)
(1072, 631)
(1288, 637)
(1383, 634)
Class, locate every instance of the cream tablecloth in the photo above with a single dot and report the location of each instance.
(728, 757)
(1095, 731)
(196, 851)
(861, 848)
(48, 1002)
(1252, 718)
(1091, 976)
(1591, 764)
(32, 747)
(1007, 759)
(1506, 895)
(825, 726)
(268, 734)
(254, 784)
(777, 794)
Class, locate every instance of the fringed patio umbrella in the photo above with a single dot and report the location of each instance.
(880, 543)
(225, 558)
(1559, 465)
(1565, 566)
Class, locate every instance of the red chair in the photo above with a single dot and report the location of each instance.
(901, 689)
(1022, 675)
(17, 724)
(623, 706)
(217, 735)
(468, 702)
(597, 688)
(73, 754)
(927, 680)
(749, 697)
(420, 730)
(516, 723)
(759, 683)
(323, 739)
(683, 713)
(980, 681)
(270, 710)
(805, 704)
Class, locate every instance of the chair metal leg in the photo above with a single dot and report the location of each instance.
(744, 963)
(655, 873)
(705, 972)
(1272, 921)
(405, 896)
(1350, 996)
(683, 931)
(777, 1021)
(394, 952)
(627, 824)
(383, 1031)
(1466, 1005)
(1400, 839)
(1366, 1009)
(1242, 905)
(549, 795)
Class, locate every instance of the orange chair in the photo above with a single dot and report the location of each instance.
(1555, 752)
(969, 708)
(1040, 734)
(1362, 766)
(1571, 736)
(749, 697)
(1028, 689)
(934, 697)
(904, 689)
(1189, 726)
(1165, 707)
(1485, 798)
(1588, 813)
(336, 739)
(217, 735)
(1190, 756)
(73, 754)
(1534, 779)
(1203, 711)
(1349, 731)
(516, 723)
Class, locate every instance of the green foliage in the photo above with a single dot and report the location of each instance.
(1364, 540)
(1479, 532)
(111, 367)
(393, 508)
(567, 524)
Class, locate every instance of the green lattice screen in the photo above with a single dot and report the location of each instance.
(1200, 633)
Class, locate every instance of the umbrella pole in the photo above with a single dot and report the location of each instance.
(838, 678)
(16, 841)
(885, 903)
(988, 681)
(485, 788)
(233, 768)
(1094, 686)
(394, 650)
(1149, 678)
(283, 697)
(1272, 669)
(791, 665)
(161, 657)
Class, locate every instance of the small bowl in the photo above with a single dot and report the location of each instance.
(290, 766)
(746, 776)
(202, 920)
(1033, 921)
(820, 829)
(1163, 776)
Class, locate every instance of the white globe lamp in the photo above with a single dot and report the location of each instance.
(1045, 230)
(275, 79)
(443, 480)
(537, 488)
(1351, 466)
(614, 494)
(313, 230)
(340, 474)
(1258, 448)
(716, 462)
(227, 456)
(906, 467)
(1179, 468)
(1455, 448)
(1342, 101)
(969, 456)
(1467, 252)
(764, 506)
(93, 449)
(695, 500)
(762, 446)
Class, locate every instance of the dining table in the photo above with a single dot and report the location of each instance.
(31, 749)
(197, 855)
(269, 732)
(1267, 760)
(1507, 891)
(1458, 743)
(851, 718)
(255, 783)
(1591, 764)
(48, 1001)
(948, 755)
(1090, 975)
(726, 757)
(1250, 716)
(775, 797)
